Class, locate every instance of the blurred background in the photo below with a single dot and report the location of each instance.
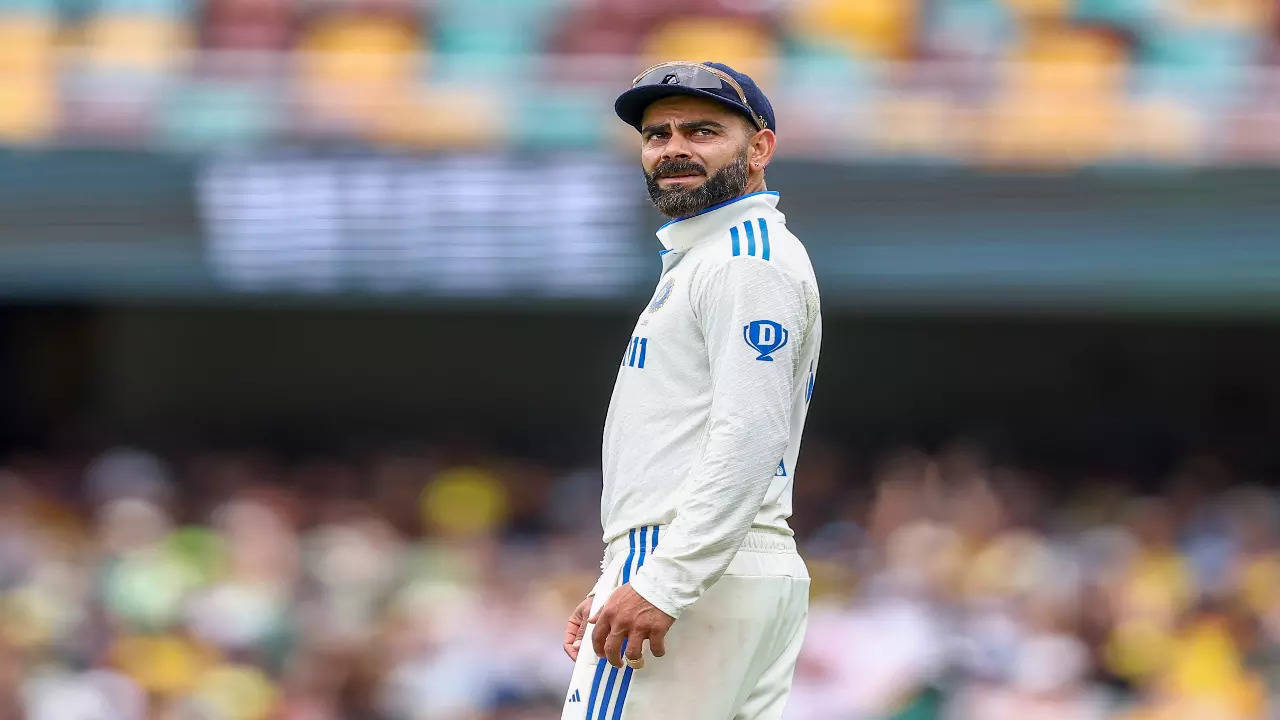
(310, 310)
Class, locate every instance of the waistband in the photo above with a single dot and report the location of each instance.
(647, 538)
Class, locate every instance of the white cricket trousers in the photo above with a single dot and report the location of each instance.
(730, 656)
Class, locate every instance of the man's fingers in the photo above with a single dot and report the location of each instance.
(599, 634)
(573, 633)
(658, 643)
(635, 649)
(613, 648)
(572, 630)
(584, 609)
(576, 628)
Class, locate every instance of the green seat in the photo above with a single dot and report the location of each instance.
(560, 118)
(208, 114)
(490, 39)
(1132, 14)
(1202, 67)
(969, 28)
(28, 7)
(807, 63)
(155, 8)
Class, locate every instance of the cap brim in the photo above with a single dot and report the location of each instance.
(631, 104)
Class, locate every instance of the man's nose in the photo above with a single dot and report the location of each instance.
(676, 148)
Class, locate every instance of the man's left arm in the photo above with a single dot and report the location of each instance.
(751, 315)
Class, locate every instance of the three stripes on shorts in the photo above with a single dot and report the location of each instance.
(642, 540)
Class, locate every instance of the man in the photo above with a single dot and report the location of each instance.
(704, 427)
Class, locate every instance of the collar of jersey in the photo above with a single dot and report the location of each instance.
(681, 234)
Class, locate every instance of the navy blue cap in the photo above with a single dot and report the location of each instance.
(631, 104)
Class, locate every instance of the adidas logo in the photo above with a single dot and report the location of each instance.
(575, 697)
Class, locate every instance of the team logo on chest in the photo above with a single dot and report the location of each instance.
(660, 298)
(765, 337)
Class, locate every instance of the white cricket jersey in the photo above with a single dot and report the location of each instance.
(705, 420)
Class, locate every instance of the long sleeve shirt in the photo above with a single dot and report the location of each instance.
(712, 391)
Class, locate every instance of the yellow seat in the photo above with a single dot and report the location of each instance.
(1061, 101)
(871, 28)
(742, 44)
(440, 117)
(1162, 129)
(1241, 15)
(1067, 60)
(361, 74)
(146, 43)
(1040, 10)
(919, 124)
(361, 50)
(27, 99)
(1034, 128)
(352, 69)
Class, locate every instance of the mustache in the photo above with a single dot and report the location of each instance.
(727, 182)
(677, 167)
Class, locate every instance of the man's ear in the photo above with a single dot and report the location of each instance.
(760, 148)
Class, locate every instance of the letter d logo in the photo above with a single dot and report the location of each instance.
(765, 337)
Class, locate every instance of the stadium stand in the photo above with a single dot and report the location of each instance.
(431, 583)
(1056, 82)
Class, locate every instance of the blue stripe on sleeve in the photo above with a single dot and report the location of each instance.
(751, 238)
(644, 345)
(733, 235)
(764, 237)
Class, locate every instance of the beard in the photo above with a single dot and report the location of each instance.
(676, 202)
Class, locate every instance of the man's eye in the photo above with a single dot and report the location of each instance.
(703, 131)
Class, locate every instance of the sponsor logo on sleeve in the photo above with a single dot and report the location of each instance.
(765, 337)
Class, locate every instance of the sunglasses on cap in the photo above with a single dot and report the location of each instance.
(697, 76)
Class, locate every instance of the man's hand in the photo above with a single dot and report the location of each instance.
(576, 628)
(629, 617)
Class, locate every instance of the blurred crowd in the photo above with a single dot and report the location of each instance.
(433, 582)
(985, 80)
